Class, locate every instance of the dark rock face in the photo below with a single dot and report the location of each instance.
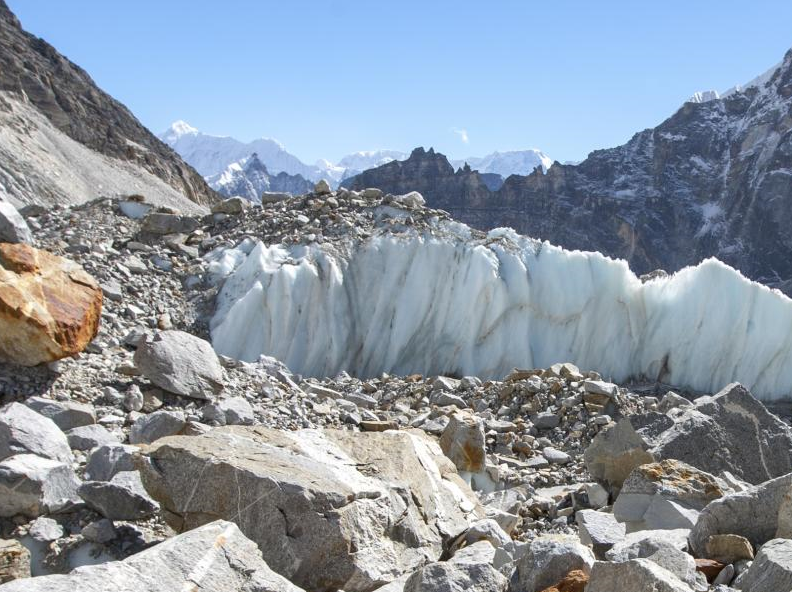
(714, 179)
(253, 178)
(70, 99)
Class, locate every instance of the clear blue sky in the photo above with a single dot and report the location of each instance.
(331, 77)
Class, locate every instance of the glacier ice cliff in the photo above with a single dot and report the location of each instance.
(442, 302)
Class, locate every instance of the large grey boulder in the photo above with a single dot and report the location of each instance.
(599, 530)
(158, 223)
(121, 498)
(548, 560)
(151, 427)
(33, 485)
(13, 228)
(22, 430)
(456, 577)
(645, 543)
(90, 436)
(666, 495)
(66, 414)
(329, 509)
(730, 431)
(635, 574)
(105, 461)
(771, 570)
(463, 442)
(752, 513)
(181, 363)
(213, 558)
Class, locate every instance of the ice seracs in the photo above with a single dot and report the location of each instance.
(438, 302)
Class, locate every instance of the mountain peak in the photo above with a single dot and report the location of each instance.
(178, 129)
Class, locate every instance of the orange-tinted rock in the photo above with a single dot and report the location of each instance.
(49, 306)
(575, 581)
(710, 568)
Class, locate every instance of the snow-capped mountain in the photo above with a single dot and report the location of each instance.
(213, 155)
(515, 162)
(357, 162)
(713, 95)
(249, 178)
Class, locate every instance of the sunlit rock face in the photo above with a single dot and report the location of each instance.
(441, 302)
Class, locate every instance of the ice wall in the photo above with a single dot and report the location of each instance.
(440, 303)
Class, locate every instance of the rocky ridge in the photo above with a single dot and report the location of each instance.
(35, 76)
(424, 482)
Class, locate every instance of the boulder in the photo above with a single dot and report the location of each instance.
(89, 437)
(151, 427)
(413, 199)
(213, 558)
(752, 514)
(771, 570)
(548, 560)
(635, 574)
(180, 363)
(22, 430)
(32, 485)
(329, 509)
(456, 577)
(482, 530)
(463, 442)
(729, 548)
(49, 307)
(121, 498)
(322, 187)
(677, 562)
(109, 459)
(65, 414)
(159, 224)
(644, 543)
(730, 431)
(665, 495)
(599, 530)
(231, 206)
(13, 228)
(14, 559)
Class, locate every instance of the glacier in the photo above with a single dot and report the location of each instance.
(443, 301)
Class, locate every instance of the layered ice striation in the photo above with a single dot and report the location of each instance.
(442, 302)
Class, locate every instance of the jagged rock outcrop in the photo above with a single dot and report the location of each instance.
(249, 178)
(714, 179)
(49, 306)
(33, 70)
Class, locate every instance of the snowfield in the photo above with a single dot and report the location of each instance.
(438, 302)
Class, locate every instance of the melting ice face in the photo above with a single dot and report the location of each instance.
(442, 303)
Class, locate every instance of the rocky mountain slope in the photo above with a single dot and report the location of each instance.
(106, 139)
(151, 461)
(249, 178)
(715, 179)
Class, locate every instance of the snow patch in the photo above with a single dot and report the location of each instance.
(436, 303)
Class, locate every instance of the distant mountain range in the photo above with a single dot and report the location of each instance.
(223, 158)
(714, 179)
(249, 178)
